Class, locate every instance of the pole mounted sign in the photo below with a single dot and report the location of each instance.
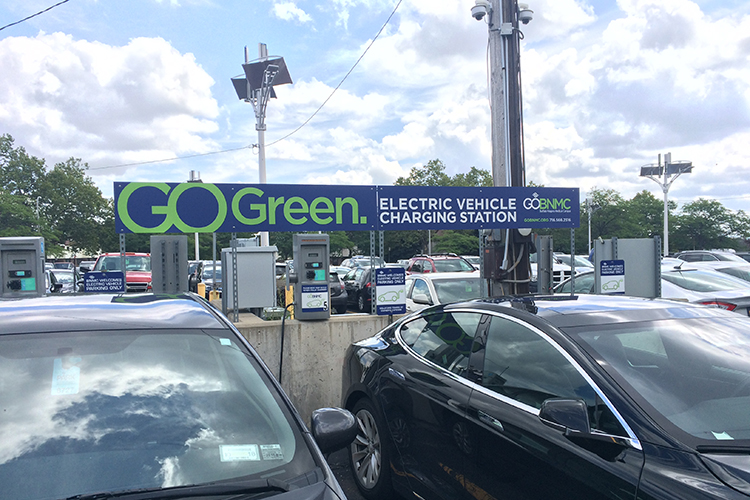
(154, 207)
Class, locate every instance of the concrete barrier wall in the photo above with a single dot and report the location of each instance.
(313, 353)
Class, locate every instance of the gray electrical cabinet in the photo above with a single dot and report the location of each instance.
(628, 266)
(169, 263)
(255, 278)
(310, 276)
(22, 267)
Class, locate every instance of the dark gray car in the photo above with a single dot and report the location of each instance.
(149, 396)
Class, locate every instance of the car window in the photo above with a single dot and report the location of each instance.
(584, 284)
(456, 289)
(443, 338)
(409, 285)
(521, 364)
(452, 265)
(416, 267)
(421, 287)
(742, 272)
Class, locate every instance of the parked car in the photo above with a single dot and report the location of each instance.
(707, 256)
(212, 279)
(581, 262)
(362, 261)
(340, 270)
(732, 268)
(86, 265)
(339, 301)
(51, 285)
(358, 286)
(439, 263)
(474, 260)
(553, 397)
(560, 271)
(70, 280)
(150, 396)
(64, 265)
(701, 286)
(137, 269)
(423, 290)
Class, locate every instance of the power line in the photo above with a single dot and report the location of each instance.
(170, 159)
(290, 133)
(34, 15)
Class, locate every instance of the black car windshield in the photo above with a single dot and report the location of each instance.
(113, 411)
(692, 373)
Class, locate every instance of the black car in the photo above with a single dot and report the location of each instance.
(338, 292)
(554, 397)
(149, 396)
(358, 286)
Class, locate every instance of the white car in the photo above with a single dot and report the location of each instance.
(700, 286)
(732, 268)
(423, 290)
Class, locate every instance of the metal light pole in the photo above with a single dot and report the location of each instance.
(256, 87)
(503, 17)
(590, 208)
(661, 175)
(196, 177)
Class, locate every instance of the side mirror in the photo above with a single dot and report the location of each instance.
(333, 428)
(571, 417)
(421, 298)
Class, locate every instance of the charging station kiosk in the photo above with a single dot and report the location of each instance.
(22, 267)
(309, 274)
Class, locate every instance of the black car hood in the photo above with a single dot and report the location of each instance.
(731, 469)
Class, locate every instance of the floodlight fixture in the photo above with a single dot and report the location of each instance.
(661, 175)
(256, 87)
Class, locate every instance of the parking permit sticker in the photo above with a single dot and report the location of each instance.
(65, 376)
(239, 452)
(225, 341)
(271, 452)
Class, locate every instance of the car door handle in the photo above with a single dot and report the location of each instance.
(396, 374)
(490, 420)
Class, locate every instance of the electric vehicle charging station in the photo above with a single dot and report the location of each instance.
(22, 267)
(309, 275)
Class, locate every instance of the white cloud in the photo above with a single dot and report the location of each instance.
(64, 97)
(289, 11)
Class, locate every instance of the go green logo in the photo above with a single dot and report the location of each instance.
(263, 210)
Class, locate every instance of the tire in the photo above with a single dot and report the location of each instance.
(369, 457)
(361, 303)
(341, 310)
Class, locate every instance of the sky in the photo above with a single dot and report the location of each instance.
(608, 86)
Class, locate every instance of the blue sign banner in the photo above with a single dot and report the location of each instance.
(428, 207)
(104, 282)
(156, 208)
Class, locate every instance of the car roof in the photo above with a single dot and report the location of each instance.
(106, 312)
(580, 310)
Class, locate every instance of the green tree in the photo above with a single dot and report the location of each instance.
(16, 218)
(408, 243)
(705, 224)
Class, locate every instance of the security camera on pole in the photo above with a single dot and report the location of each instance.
(502, 18)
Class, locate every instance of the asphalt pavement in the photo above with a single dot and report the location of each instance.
(339, 463)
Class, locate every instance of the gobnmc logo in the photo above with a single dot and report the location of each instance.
(542, 204)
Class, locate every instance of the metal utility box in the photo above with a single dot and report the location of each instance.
(544, 265)
(256, 277)
(169, 263)
(22, 267)
(310, 276)
(628, 266)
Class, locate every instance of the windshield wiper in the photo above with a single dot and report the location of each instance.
(200, 490)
